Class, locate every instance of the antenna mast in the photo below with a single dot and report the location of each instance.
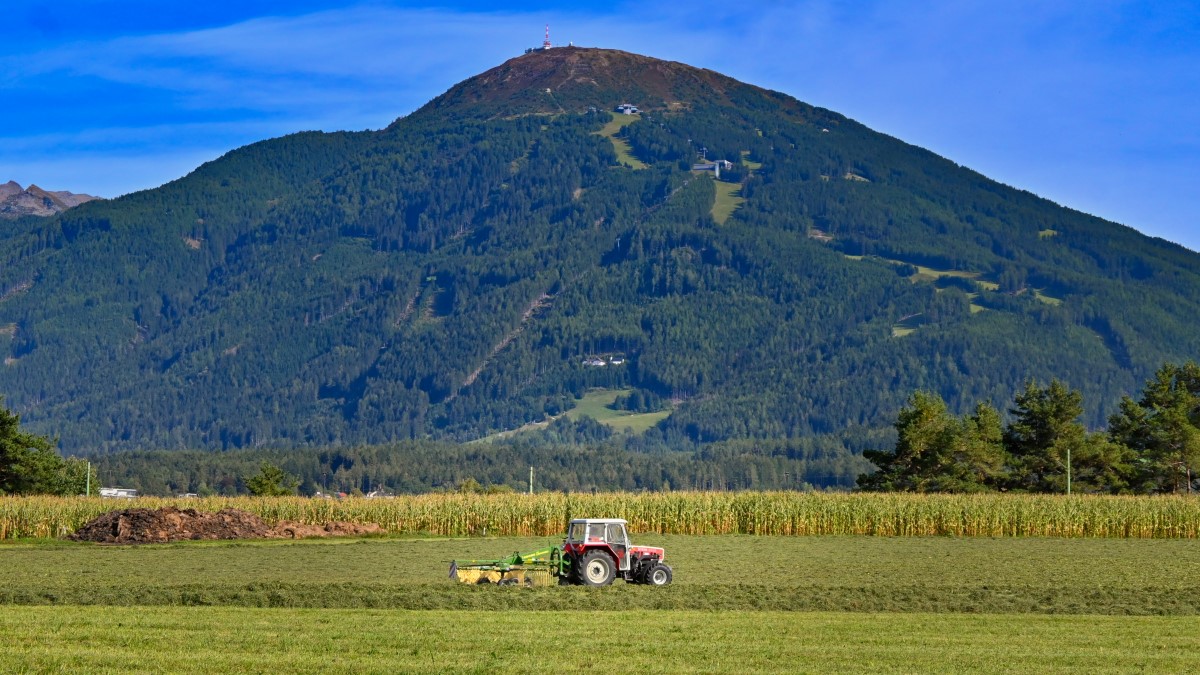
(546, 44)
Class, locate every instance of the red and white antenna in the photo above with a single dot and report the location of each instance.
(546, 44)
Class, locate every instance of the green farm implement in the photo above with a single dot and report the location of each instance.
(536, 568)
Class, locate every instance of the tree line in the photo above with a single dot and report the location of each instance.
(1152, 444)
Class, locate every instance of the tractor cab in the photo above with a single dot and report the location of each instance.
(584, 534)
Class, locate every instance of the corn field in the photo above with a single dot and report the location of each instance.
(759, 513)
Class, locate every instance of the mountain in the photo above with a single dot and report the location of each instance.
(481, 264)
(16, 201)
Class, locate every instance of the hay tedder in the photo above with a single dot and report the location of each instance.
(596, 551)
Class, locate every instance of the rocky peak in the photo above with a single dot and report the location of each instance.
(16, 201)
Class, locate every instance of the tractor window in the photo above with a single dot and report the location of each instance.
(616, 534)
(596, 532)
(577, 530)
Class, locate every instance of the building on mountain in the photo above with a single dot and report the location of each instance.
(715, 166)
(628, 109)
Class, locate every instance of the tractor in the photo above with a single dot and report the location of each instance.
(595, 551)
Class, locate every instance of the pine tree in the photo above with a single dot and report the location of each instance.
(1043, 437)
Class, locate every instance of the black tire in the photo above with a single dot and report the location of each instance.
(597, 568)
(658, 575)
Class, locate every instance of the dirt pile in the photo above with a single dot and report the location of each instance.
(150, 526)
(290, 530)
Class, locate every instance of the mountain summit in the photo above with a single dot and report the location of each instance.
(16, 201)
(723, 264)
(573, 79)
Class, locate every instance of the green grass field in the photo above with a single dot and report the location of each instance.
(595, 404)
(880, 574)
(738, 604)
(221, 639)
(727, 201)
(624, 151)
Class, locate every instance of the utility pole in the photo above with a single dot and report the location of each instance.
(88, 491)
(1068, 469)
(531, 480)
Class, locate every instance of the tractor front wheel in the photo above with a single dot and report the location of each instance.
(659, 575)
(597, 569)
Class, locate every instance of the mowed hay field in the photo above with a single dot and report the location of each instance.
(739, 603)
(227, 640)
(845, 573)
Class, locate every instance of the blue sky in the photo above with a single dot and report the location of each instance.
(1094, 104)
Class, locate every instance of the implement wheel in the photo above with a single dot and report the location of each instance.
(597, 569)
(659, 575)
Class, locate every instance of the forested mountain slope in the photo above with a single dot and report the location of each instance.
(466, 270)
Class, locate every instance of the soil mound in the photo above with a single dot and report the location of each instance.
(290, 530)
(150, 526)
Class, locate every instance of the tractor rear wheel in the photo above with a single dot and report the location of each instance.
(597, 569)
(659, 575)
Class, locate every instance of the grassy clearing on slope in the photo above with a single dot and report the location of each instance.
(919, 574)
(1048, 299)
(931, 274)
(727, 200)
(908, 325)
(620, 145)
(750, 164)
(212, 639)
(595, 404)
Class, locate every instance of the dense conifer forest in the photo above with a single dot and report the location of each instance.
(485, 262)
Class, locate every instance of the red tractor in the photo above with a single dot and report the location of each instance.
(598, 551)
(595, 552)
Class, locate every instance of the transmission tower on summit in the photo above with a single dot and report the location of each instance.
(546, 43)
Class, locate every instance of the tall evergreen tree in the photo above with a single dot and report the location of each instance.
(1043, 436)
(1162, 430)
(28, 463)
(937, 452)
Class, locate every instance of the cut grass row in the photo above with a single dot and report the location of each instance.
(904, 574)
(171, 639)
(763, 513)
